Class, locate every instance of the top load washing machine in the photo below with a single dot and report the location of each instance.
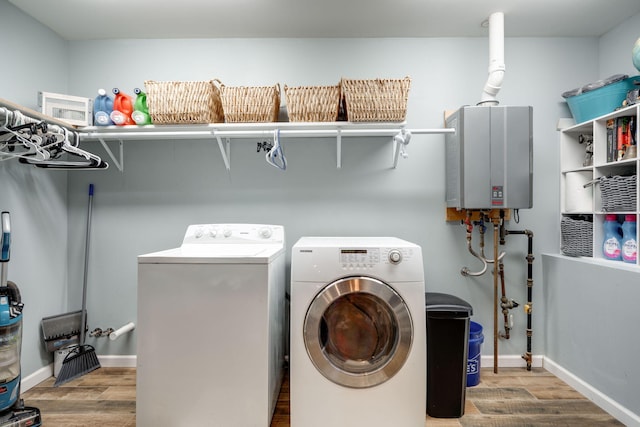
(211, 328)
(358, 333)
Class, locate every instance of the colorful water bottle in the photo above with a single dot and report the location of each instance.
(611, 247)
(102, 109)
(629, 243)
(140, 113)
(122, 108)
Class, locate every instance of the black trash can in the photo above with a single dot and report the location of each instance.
(447, 348)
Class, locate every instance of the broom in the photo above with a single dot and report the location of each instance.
(81, 359)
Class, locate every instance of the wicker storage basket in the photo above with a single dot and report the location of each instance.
(250, 104)
(618, 193)
(576, 237)
(312, 103)
(377, 100)
(183, 102)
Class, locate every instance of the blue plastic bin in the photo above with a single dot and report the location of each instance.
(475, 349)
(599, 98)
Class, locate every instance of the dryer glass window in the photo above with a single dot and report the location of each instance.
(358, 332)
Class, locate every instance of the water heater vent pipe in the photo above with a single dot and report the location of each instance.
(496, 60)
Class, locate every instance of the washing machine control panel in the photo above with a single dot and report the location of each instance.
(358, 259)
(233, 233)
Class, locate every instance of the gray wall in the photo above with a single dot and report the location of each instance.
(167, 185)
(34, 58)
(592, 319)
(614, 50)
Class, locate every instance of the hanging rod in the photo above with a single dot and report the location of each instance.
(228, 131)
(32, 115)
(250, 130)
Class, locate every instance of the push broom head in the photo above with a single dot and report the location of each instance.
(80, 361)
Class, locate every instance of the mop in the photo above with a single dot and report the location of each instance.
(81, 359)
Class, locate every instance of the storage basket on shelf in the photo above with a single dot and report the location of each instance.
(618, 193)
(576, 237)
(376, 100)
(312, 103)
(176, 102)
(250, 104)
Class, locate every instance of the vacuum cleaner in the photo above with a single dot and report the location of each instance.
(13, 413)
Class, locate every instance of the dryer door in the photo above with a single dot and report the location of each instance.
(358, 332)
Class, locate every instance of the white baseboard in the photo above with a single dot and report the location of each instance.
(36, 378)
(511, 361)
(128, 361)
(618, 411)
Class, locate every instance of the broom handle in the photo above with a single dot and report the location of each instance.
(86, 268)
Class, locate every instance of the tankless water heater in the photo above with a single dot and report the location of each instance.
(489, 159)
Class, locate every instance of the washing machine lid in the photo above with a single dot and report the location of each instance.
(223, 243)
(215, 254)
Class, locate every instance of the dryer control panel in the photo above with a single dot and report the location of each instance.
(233, 234)
(368, 258)
(325, 259)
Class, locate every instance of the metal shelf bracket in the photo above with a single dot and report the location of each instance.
(225, 150)
(118, 162)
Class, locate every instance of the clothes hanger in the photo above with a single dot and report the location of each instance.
(27, 137)
(36, 143)
(81, 159)
(275, 156)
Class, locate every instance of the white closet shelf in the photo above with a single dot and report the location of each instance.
(228, 131)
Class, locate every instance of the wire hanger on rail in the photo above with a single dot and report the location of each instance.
(275, 156)
(42, 145)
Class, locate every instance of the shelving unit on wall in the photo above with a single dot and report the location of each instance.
(224, 133)
(585, 204)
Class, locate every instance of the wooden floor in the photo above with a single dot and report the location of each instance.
(513, 397)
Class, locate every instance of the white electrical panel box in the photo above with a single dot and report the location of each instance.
(74, 110)
(489, 159)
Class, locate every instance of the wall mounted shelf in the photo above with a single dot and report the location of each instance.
(223, 133)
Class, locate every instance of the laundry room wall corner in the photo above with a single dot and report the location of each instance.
(35, 198)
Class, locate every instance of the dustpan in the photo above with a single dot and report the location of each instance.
(62, 330)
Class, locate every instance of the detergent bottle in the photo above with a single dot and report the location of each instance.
(102, 109)
(611, 247)
(122, 108)
(629, 243)
(140, 113)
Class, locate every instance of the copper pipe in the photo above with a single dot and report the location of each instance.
(496, 225)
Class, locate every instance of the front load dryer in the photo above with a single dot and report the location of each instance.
(358, 333)
(211, 328)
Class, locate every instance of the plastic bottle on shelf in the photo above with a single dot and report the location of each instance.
(122, 109)
(140, 113)
(611, 247)
(102, 109)
(629, 244)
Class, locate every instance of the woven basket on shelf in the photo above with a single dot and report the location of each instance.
(250, 104)
(576, 237)
(312, 103)
(618, 193)
(376, 100)
(176, 102)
